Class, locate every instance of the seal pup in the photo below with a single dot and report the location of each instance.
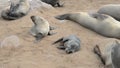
(70, 43)
(110, 56)
(41, 27)
(53, 2)
(112, 10)
(16, 10)
(100, 23)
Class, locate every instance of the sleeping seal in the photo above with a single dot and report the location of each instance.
(16, 10)
(53, 2)
(70, 43)
(41, 27)
(112, 10)
(100, 23)
(111, 55)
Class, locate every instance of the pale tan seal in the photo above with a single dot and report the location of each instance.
(112, 10)
(41, 27)
(100, 23)
(110, 56)
(16, 10)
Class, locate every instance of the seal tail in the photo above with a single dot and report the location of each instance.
(59, 40)
(4, 14)
(63, 17)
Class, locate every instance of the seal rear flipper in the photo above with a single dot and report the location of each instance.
(63, 17)
(98, 52)
(39, 36)
(51, 33)
(61, 47)
(59, 40)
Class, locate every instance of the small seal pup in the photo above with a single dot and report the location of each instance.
(112, 10)
(41, 27)
(100, 23)
(70, 43)
(111, 55)
(53, 2)
(16, 10)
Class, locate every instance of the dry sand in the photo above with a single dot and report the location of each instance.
(45, 55)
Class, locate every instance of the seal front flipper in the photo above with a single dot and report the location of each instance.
(59, 40)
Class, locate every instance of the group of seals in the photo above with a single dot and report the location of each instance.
(41, 27)
(100, 23)
(22, 8)
(70, 43)
(53, 2)
(16, 10)
(111, 56)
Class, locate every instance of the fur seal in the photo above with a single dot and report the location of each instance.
(100, 23)
(16, 10)
(53, 2)
(112, 10)
(41, 27)
(70, 43)
(111, 55)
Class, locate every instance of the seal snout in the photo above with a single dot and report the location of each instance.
(32, 17)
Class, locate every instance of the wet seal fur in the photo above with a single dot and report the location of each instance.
(41, 27)
(111, 55)
(100, 23)
(70, 43)
(53, 2)
(112, 10)
(16, 10)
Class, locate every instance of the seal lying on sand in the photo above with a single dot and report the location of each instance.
(41, 28)
(111, 56)
(100, 23)
(70, 43)
(16, 10)
(112, 10)
(53, 2)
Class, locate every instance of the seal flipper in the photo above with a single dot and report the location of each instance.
(59, 40)
(39, 36)
(98, 52)
(60, 5)
(51, 33)
(62, 17)
(52, 28)
(61, 47)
